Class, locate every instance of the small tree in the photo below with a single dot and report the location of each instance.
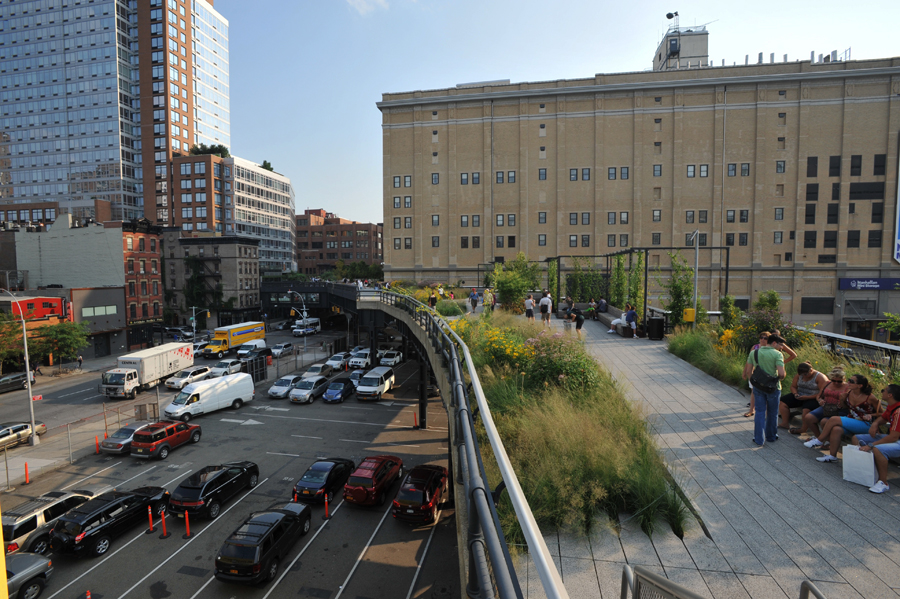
(731, 314)
(510, 286)
(617, 285)
(216, 149)
(10, 338)
(552, 273)
(63, 340)
(768, 300)
(267, 166)
(679, 288)
(635, 284)
(531, 273)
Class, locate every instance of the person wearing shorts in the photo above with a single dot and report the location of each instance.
(546, 305)
(883, 447)
(529, 307)
(577, 316)
(631, 320)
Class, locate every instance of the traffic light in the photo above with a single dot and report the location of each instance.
(208, 314)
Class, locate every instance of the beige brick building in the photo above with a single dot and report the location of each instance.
(793, 166)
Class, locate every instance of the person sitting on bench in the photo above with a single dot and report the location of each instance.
(619, 320)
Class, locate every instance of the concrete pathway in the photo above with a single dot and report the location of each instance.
(775, 515)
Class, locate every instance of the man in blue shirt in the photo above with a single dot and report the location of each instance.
(473, 299)
(631, 320)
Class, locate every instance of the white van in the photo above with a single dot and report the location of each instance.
(233, 390)
(248, 347)
(375, 382)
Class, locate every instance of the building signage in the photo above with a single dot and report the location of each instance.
(872, 284)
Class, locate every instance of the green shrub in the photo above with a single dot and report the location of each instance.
(731, 314)
(768, 300)
(450, 308)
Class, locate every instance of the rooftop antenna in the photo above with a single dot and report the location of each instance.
(673, 15)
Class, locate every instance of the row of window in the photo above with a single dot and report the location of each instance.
(145, 311)
(129, 244)
(879, 165)
(810, 239)
(132, 288)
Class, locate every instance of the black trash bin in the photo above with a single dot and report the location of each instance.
(656, 328)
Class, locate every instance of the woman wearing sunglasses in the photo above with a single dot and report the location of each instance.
(862, 406)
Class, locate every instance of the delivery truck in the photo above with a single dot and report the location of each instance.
(144, 369)
(227, 339)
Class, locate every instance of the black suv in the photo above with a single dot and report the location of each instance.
(91, 527)
(253, 552)
(203, 493)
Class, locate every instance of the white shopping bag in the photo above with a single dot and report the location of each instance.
(859, 466)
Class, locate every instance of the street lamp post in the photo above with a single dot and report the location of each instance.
(695, 236)
(303, 302)
(35, 440)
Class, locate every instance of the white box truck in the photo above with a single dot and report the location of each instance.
(144, 369)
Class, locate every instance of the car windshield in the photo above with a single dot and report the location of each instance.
(356, 376)
(410, 495)
(359, 481)
(314, 476)
(217, 342)
(222, 365)
(315, 369)
(123, 433)
(282, 382)
(390, 354)
(337, 358)
(234, 551)
(369, 382)
(336, 386)
(247, 347)
(183, 374)
(360, 355)
(305, 385)
(181, 398)
(113, 378)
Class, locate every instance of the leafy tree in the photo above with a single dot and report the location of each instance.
(617, 285)
(10, 339)
(731, 314)
(216, 149)
(768, 300)
(510, 286)
(635, 282)
(63, 340)
(679, 288)
(267, 165)
(531, 273)
(552, 274)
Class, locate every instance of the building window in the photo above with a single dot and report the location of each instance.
(396, 243)
(476, 220)
(809, 239)
(778, 237)
(499, 241)
(610, 218)
(407, 243)
(812, 166)
(542, 240)
(499, 176)
(396, 222)
(657, 238)
(542, 218)
(745, 169)
(852, 239)
(435, 220)
(732, 170)
(464, 178)
(396, 201)
(690, 171)
(830, 239)
(573, 241)
(407, 222)
(407, 181)
(585, 218)
(729, 239)
(463, 242)
(855, 165)
(585, 174)
(704, 170)
(499, 220)
(834, 166)
(510, 177)
(623, 240)
(657, 216)
(810, 214)
(131, 288)
(812, 192)
(702, 216)
(464, 220)
(779, 214)
(611, 241)
(611, 173)
(511, 241)
(435, 178)
(832, 218)
(573, 218)
(476, 178)
(742, 239)
(729, 216)
(875, 239)
(623, 218)
(745, 216)
(573, 174)
(657, 170)
(702, 239)
(396, 179)
(510, 220)
(877, 212)
(779, 166)
(476, 242)
(542, 174)
(435, 242)
(407, 202)
(585, 241)
(879, 165)
(689, 217)
(623, 172)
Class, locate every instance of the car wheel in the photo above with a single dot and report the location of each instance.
(237, 404)
(195, 438)
(159, 507)
(186, 417)
(219, 355)
(163, 453)
(254, 478)
(306, 526)
(41, 545)
(329, 496)
(31, 589)
(101, 546)
(273, 570)
(381, 498)
(214, 509)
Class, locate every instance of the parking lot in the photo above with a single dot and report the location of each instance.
(359, 552)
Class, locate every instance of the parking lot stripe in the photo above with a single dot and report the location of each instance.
(176, 478)
(412, 585)
(362, 553)
(308, 543)
(135, 476)
(206, 584)
(292, 455)
(335, 421)
(306, 437)
(354, 441)
(87, 477)
(356, 408)
(400, 444)
(191, 540)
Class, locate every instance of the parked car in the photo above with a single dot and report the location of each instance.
(284, 326)
(339, 361)
(372, 480)
(303, 331)
(120, 441)
(338, 390)
(27, 575)
(91, 527)
(187, 376)
(159, 438)
(358, 349)
(225, 367)
(375, 383)
(244, 350)
(182, 333)
(391, 358)
(198, 347)
(361, 359)
(261, 352)
(27, 526)
(255, 549)
(318, 370)
(14, 382)
(204, 492)
(308, 389)
(323, 480)
(282, 349)
(420, 494)
(230, 391)
(356, 376)
(13, 433)
(282, 387)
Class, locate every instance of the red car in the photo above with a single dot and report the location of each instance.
(372, 479)
(420, 494)
(158, 439)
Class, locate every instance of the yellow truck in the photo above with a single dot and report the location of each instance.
(227, 339)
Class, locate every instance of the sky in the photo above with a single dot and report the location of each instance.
(306, 74)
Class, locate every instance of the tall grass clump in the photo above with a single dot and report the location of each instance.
(578, 445)
(450, 308)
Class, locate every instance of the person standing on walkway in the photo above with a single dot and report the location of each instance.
(37, 369)
(80, 360)
(763, 340)
(577, 316)
(529, 307)
(473, 299)
(546, 305)
(432, 301)
(771, 361)
(488, 299)
(883, 447)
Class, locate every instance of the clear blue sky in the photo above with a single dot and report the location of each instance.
(306, 74)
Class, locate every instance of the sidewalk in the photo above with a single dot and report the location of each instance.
(775, 515)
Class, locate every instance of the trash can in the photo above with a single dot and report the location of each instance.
(656, 328)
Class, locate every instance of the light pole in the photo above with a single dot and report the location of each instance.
(35, 440)
(194, 320)
(695, 236)
(303, 302)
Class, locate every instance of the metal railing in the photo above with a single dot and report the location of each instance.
(491, 571)
(642, 583)
(871, 353)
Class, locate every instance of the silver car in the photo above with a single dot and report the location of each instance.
(120, 441)
(13, 433)
(282, 349)
(283, 386)
(308, 389)
(187, 376)
(318, 370)
(224, 367)
(27, 575)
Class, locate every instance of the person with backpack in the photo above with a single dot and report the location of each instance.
(765, 369)
(432, 301)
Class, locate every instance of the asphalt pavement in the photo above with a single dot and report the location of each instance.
(359, 552)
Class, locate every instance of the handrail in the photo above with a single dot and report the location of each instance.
(486, 522)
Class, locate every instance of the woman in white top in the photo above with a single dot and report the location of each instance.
(529, 308)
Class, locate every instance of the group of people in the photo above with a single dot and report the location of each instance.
(628, 318)
(489, 299)
(831, 406)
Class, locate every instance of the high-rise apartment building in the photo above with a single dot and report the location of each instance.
(793, 166)
(96, 96)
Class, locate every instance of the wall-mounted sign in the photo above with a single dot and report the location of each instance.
(871, 284)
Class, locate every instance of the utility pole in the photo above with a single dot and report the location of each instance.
(294, 311)
(194, 319)
(35, 440)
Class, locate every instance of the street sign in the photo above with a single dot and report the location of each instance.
(37, 398)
